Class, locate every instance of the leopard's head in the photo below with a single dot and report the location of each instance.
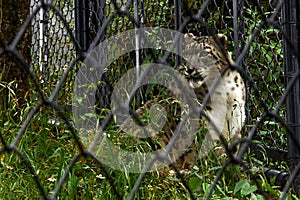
(204, 56)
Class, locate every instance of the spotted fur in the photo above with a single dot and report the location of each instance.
(206, 59)
(207, 66)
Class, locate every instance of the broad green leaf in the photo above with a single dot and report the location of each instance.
(195, 184)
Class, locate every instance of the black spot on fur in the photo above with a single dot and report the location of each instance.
(235, 79)
(208, 108)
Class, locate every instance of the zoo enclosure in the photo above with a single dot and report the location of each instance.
(235, 22)
(255, 29)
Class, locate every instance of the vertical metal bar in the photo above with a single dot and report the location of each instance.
(82, 24)
(46, 55)
(142, 23)
(291, 29)
(137, 38)
(142, 15)
(104, 89)
(41, 40)
(143, 53)
(177, 7)
(238, 32)
(139, 95)
(236, 28)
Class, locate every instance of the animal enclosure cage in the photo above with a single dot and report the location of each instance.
(263, 37)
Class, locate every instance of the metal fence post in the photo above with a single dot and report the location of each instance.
(236, 27)
(178, 13)
(45, 48)
(291, 30)
(82, 24)
(239, 42)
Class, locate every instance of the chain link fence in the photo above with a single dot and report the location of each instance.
(263, 38)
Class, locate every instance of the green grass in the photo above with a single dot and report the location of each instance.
(51, 148)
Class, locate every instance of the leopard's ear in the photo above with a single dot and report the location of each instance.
(189, 35)
(222, 39)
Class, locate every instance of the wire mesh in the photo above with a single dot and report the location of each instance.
(63, 31)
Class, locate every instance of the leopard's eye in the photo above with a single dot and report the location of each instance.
(203, 53)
